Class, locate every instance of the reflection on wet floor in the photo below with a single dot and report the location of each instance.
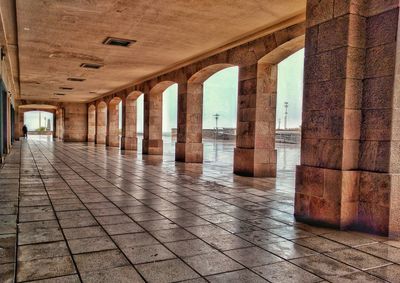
(90, 213)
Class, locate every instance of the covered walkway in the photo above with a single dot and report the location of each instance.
(93, 214)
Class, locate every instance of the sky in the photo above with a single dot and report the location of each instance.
(220, 97)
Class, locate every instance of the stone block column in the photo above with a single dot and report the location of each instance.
(349, 156)
(129, 127)
(113, 124)
(152, 130)
(189, 146)
(255, 153)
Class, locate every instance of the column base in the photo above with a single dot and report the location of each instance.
(128, 143)
(326, 197)
(189, 152)
(254, 162)
(100, 139)
(112, 141)
(152, 147)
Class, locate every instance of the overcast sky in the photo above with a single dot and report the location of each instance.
(220, 96)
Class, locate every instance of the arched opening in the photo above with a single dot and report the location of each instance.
(153, 124)
(39, 123)
(170, 119)
(113, 123)
(289, 105)
(220, 116)
(189, 146)
(101, 125)
(261, 157)
(129, 127)
(140, 121)
(91, 123)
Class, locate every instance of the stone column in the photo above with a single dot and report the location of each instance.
(101, 123)
(152, 131)
(348, 177)
(129, 127)
(255, 153)
(112, 125)
(189, 146)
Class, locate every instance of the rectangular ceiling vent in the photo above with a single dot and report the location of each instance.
(66, 88)
(59, 93)
(76, 79)
(118, 41)
(91, 65)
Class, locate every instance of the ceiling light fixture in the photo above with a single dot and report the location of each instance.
(118, 41)
(91, 65)
(76, 79)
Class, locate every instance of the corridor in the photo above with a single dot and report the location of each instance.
(88, 213)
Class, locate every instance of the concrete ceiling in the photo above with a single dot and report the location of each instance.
(56, 36)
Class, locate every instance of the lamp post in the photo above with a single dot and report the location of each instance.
(216, 115)
(286, 108)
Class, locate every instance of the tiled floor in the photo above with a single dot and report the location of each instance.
(91, 214)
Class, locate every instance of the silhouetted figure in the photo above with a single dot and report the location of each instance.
(25, 131)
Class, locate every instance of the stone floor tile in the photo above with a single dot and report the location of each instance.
(253, 256)
(389, 273)
(45, 268)
(227, 242)
(40, 251)
(320, 244)
(324, 266)
(106, 211)
(134, 240)
(7, 248)
(358, 259)
(62, 279)
(348, 238)
(190, 221)
(260, 237)
(73, 214)
(40, 235)
(124, 228)
(172, 235)
(189, 247)
(84, 232)
(145, 254)
(240, 276)
(7, 272)
(285, 272)
(172, 270)
(290, 232)
(212, 263)
(207, 231)
(100, 260)
(288, 250)
(146, 216)
(219, 218)
(238, 227)
(78, 222)
(113, 219)
(155, 225)
(86, 245)
(360, 277)
(383, 251)
(123, 274)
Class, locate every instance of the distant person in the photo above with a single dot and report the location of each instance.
(25, 131)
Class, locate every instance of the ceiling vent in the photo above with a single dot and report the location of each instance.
(91, 65)
(76, 79)
(59, 93)
(66, 88)
(118, 41)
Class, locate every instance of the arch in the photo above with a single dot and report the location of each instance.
(255, 153)
(129, 121)
(113, 122)
(189, 146)
(101, 123)
(91, 123)
(152, 130)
